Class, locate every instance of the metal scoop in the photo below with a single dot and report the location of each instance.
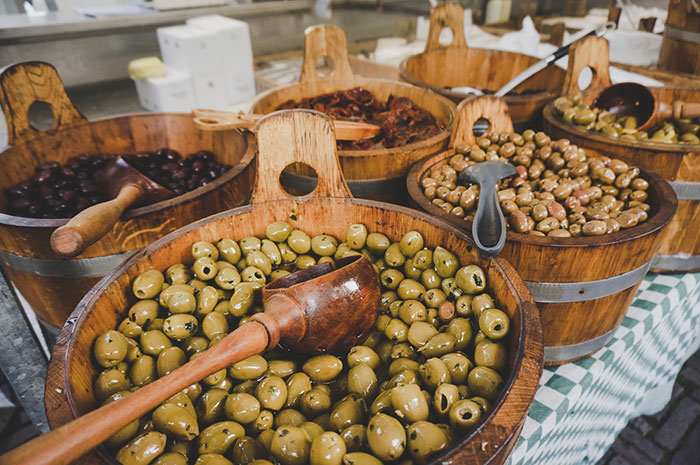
(489, 226)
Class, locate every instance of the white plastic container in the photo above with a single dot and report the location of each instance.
(189, 49)
(171, 93)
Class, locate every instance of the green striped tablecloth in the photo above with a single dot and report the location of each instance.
(580, 407)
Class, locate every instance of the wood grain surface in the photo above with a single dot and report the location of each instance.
(72, 374)
(565, 260)
(676, 54)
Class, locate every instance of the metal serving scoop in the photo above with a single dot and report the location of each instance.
(489, 226)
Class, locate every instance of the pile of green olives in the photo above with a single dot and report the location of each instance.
(572, 110)
(558, 191)
(427, 372)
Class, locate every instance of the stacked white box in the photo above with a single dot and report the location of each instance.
(171, 93)
(189, 49)
(234, 52)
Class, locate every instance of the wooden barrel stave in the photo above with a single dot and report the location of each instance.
(39, 273)
(623, 257)
(680, 45)
(69, 382)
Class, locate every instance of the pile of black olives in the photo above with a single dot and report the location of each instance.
(61, 191)
(426, 374)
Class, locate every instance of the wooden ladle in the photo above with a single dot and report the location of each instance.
(314, 310)
(212, 120)
(632, 99)
(122, 183)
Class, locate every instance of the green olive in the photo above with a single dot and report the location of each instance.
(363, 354)
(430, 279)
(272, 393)
(182, 302)
(461, 330)
(243, 298)
(214, 323)
(281, 368)
(464, 414)
(169, 360)
(386, 437)
(265, 420)
(480, 303)
(129, 329)
(458, 365)
(420, 333)
(471, 279)
(110, 348)
(438, 345)
(176, 421)
(148, 284)
(347, 412)
(217, 438)
(205, 249)
(445, 262)
(312, 429)
(125, 433)
(278, 231)
(207, 299)
(212, 459)
(288, 255)
(355, 437)
(253, 274)
(315, 402)
(252, 367)
(433, 298)
(299, 242)
(164, 296)
(491, 354)
(143, 312)
(142, 449)
(210, 406)
(180, 326)
(494, 323)
(246, 449)
(327, 449)
(184, 448)
(229, 250)
(228, 277)
(205, 268)
(250, 244)
(241, 407)
(377, 243)
(297, 385)
(170, 458)
(143, 371)
(409, 404)
(133, 350)
(360, 458)
(434, 372)
(450, 288)
(290, 445)
(411, 311)
(324, 245)
(411, 243)
(423, 259)
(485, 382)
(410, 289)
(362, 381)
(426, 439)
(323, 368)
(271, 251)
(289, 417)
(356, 236)
(390, 278)
(445, 395)
(393, 256)
(154, 342)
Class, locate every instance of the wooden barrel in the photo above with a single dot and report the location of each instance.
(441, 67)
(680, 46)
(678, 164)
(304, 136)
(376, 173)
(582, 285)
(52, 284)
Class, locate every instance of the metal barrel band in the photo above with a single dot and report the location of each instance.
(94, 267)
(587, 290)
(358, 187)
(681, 34)
(676, 263)
(686, 190)
(574, 351)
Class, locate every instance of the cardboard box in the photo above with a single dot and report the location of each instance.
(189, 49)
(172, 93)
(211, 91)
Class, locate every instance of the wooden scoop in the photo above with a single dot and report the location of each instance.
(212, 120)
(314, 310)
(126, 186)
(632, 99)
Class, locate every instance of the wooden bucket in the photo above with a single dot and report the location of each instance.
(304, 136)
(441, 67)
(680, 46)
(582, 285)
(678, 164)
(54, 285)
(377, 173)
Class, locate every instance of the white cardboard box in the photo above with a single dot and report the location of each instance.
(189, 49)
(234, 52)
(171, 93)
(211, 91)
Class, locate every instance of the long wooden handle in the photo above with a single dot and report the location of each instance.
(683, 110)
(591, 52)
(212, 120)
(88, 226)
(325, 40)
(470, 110)
(23, 84)
(70, 441)
(450, 16)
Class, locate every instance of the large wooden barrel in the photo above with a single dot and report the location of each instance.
(283, 138)
(678, 164)
(582, 285)
(52, 284)
(376, 173)
(441, 67)
(680, 47)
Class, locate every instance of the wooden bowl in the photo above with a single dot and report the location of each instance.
(676, 163)
(54, 285)
(376, 173)
(441, 67)
(582, 285)
(304, 136)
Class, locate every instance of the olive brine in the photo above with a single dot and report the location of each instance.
(559, 190)
(426, 374)
(62, 191)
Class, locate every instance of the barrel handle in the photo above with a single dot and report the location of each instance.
(446, 15)
(325, 40)
(594, 53)
(21, 85)
(289, 136)
(470, 110)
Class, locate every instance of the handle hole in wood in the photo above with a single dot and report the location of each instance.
(325, 66)
(446, 36)
(298, 179)
(41, 116)
(481, 127)
(585, 78)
